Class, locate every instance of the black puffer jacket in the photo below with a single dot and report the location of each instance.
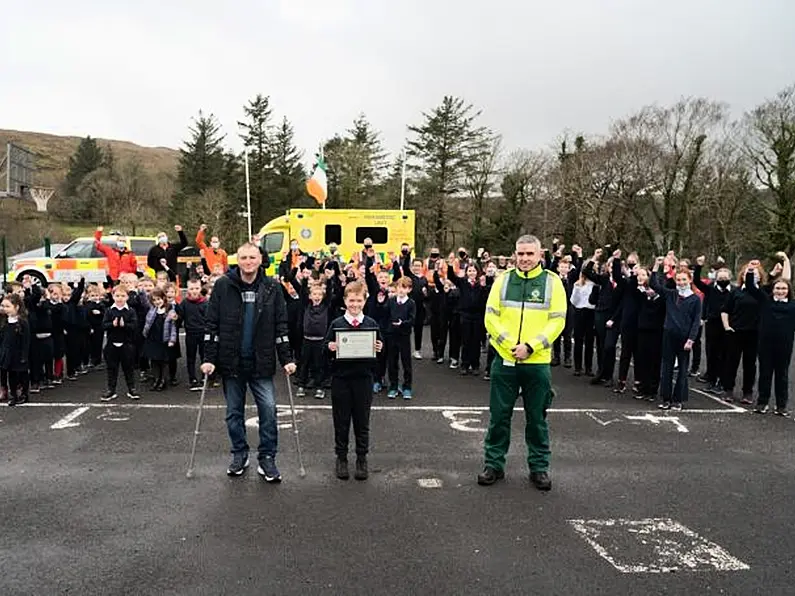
(224, 332)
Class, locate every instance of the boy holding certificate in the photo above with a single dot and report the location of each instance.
(354, 341)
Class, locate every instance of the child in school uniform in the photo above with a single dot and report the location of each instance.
(140, 303)
(72, 318)
(95, 312)
(316, 318)
(191, 312)
(41, 347)
(402, 313)
(473, 295)
(174, 351)
(14, 350)
(160, 333)
(375, 308)
(57, 309)
(120, 324)
(352, 385)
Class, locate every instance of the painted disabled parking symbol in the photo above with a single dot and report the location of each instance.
(654, 546)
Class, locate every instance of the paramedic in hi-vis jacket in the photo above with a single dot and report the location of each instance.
(525, 313)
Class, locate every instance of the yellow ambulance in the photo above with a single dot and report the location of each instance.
(316, 229)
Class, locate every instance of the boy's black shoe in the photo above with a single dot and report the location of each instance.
(666, 405)
(159, 385)
(489, 476)
(195, 385)
(320, 394)
(18, 400)
(173, 382)
(760, 409)
(781, 412)
(342, 469)
(678, 406)
(35, 389)
(598, 381)
(301, 392)
(238, 464)
(555, 361)
(71, 377)
(567, 362)
(716, 389)
(108, 396)
(133, 394)
(541, 480)
(361, 468)
(620, 387)
(463, 372)
(577, 373)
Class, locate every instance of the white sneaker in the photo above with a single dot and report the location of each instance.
(454, 363)
(417, 355)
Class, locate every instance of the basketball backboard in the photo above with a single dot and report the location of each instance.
(16, 172)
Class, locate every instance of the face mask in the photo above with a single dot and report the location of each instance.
(631, 265)
(368, 246)
(684, 291)
(405, 251)
(712, 275)
(723, 283)
(121, 245)
(434, 255)
(162, 239)
(462, 254)
(294, 246)
(333, 249)
(215, 245)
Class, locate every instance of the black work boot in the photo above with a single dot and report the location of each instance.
(489, 476)
(342, 469)
(361, 468)
(541, 480)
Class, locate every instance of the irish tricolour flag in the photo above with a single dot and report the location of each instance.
(317, 185)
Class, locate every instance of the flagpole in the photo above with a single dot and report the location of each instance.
(248, 194)
(321, 159)
(403, 182)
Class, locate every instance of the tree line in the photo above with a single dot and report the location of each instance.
(686, 177)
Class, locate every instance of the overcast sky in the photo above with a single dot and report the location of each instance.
(139, 70)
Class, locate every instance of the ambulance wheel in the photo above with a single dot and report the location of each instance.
(33, 275)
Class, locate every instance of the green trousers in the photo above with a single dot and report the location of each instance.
(535, 383)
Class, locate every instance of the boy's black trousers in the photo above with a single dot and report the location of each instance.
(313, 363)
(95, 345)
(351, 398)
(41, 360)
(124, 357)
(194, 346)
(399, 346)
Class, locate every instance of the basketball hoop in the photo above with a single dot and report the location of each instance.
(41, 196)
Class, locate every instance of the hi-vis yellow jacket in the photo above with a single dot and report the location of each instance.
(526, 308)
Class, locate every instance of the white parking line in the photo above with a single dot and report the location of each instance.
(396, 408)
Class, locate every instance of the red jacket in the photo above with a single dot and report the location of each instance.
(118, 262)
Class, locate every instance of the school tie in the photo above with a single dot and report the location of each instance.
(355, 323)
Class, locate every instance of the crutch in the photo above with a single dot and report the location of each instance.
(196, 430)
(301, 470)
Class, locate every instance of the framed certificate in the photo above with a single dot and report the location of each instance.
(358, 344)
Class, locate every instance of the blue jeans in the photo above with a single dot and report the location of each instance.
(235, 394)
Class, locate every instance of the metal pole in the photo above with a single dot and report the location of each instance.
(47, 248)
(403, 182)
(323, 160)
(248, 196)
(5, 260)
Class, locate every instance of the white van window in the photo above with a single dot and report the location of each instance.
(273, 242)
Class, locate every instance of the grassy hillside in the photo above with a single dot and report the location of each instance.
(53, 153)
(22, 226)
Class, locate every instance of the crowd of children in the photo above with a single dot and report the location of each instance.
(57, 333)
(656, 315)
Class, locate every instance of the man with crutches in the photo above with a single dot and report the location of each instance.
(246, 330)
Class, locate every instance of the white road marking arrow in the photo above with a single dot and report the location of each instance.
(68, 420)
(657, 419)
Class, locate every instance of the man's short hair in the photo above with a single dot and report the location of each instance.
(248, 245)
(528, 239)
(193, 280)
(355, 287)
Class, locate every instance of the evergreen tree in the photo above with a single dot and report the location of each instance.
(258, 139)
(288, 174)
(446, 145)
(87, 158)
(201, 165)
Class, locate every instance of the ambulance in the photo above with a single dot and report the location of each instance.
(315, 229)
(79, 258)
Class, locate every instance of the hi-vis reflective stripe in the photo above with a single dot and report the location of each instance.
(283, 340)
(544, 341)
(493, 311)
(557, 315)
(532, 305)
(502, 337)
